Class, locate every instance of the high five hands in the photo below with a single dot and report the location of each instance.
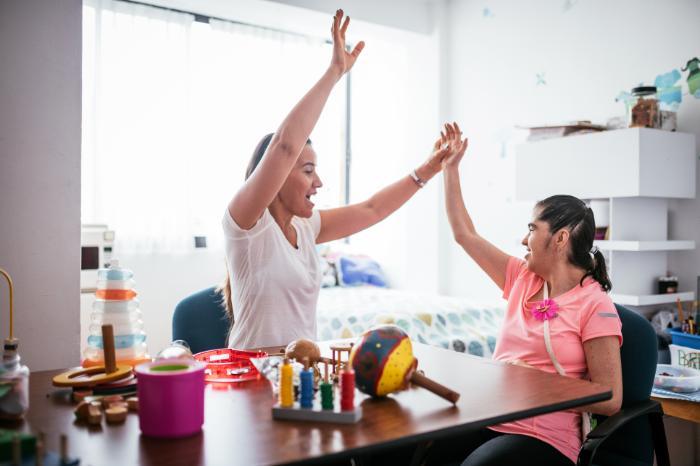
(447, 152)
(343, 60)
(453, 144)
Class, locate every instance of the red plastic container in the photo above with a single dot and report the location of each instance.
(229, 365)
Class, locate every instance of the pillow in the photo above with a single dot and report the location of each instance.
(359, 270)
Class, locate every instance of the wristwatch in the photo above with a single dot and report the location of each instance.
(417, 179)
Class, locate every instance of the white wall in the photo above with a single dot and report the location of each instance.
(40, 53)
(588, 53)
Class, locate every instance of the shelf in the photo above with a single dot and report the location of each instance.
(675, 245)
(632, 162)
(651, 299)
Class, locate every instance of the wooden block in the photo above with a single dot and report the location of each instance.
(94, 415)
(119, 404)
(116, 415)
(82, 410)
(79, 395)
(109, 399)
(133, 403)
(316, 414)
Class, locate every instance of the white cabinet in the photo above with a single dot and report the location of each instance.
(638, 169)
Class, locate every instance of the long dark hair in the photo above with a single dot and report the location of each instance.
(258, 153)
(570, 212)
(225, 287)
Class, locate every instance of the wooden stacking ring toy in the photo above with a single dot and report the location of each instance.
(91, 376)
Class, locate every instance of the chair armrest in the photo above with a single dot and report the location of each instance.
(622, 417)
(613, 423)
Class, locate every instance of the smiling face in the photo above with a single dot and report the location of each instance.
(541, 248)
(301, 184)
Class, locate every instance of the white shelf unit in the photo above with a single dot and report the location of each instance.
(638, 170)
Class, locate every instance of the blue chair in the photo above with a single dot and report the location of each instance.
(201, 320)
(633, 435)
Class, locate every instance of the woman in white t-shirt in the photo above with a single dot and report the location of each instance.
(271, 227)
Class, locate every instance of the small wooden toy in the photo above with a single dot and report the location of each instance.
(94, 415)
(108, 400)
(133, 403)
(337, 352)
(302, 348)
(81, 411)
(325, 411)
(96, 375)
(383, 363)
(116, 414)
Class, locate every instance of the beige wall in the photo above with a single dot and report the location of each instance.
(40, 114)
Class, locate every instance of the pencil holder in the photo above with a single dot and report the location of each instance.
(171, 397)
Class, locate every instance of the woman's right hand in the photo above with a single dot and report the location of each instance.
(457, 146)
(343, 61)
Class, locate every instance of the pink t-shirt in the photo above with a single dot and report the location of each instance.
(585, 312)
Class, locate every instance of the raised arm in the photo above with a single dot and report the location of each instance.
(345, 221)
(492, 260)
(249, 203)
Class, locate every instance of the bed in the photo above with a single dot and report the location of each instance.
(459, 324)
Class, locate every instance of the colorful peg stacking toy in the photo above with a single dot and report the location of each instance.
(116, 304)
(383, 363)
(309, 409)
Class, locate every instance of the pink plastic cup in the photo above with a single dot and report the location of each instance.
(171, 397)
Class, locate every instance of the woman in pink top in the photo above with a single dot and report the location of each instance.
(583, 324)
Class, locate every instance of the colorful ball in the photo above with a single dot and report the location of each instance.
(383, 360)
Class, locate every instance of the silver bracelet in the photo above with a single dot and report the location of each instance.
(414, 176)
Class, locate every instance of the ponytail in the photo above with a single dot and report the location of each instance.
(225, 290)
(598, 270)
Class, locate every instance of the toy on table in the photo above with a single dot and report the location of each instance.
(176, 349)
(229, 365)
(92, 376)
(14, 376)
(384, 363)
(337, 352)
(116, 304)
(311, 409)
(171, 397)
(27, 449)
(302, 348)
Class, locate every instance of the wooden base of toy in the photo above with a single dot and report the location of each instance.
(90, 377)
(316, 414)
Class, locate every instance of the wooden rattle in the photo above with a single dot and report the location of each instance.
(383, 363)
(87, 377)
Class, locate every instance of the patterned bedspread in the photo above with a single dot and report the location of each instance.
(460, 324)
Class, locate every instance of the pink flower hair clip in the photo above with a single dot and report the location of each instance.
(545, 309)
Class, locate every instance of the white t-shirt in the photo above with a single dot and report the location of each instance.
(274, 285)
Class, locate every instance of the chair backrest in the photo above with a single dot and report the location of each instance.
(201, 320)
(633, 443)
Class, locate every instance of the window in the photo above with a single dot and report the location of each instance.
(172, 110)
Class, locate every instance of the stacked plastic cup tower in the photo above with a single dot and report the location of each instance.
(116, 304)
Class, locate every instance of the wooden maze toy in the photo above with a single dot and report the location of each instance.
(383, 362)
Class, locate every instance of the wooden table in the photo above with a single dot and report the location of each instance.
(239, 428)
(682, 409)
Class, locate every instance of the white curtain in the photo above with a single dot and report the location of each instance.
(172, 110)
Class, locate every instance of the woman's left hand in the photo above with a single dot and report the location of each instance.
(343, 61)
(447, 150)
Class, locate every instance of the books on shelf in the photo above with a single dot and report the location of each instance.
(538, 133)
